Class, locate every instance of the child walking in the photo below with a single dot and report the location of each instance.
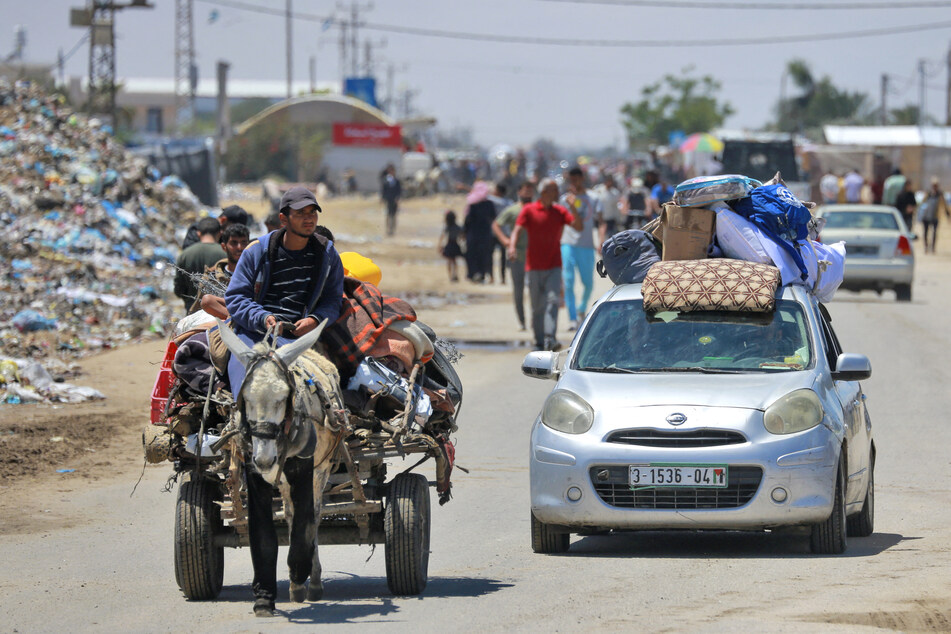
(449, 245)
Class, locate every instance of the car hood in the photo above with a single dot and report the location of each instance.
(748, 391)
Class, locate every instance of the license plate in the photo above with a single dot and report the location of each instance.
(711, 476)
(861, 250)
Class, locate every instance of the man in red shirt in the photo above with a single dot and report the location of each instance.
(544, 221)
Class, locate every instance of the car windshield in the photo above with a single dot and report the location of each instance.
(860, 220)
(623, 338)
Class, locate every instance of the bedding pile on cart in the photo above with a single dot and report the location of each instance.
(735, 217)
(400, 391)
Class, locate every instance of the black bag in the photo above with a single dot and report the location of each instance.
(627, 256)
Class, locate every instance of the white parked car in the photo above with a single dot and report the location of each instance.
(702, 420)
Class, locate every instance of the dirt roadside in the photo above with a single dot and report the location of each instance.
(47, 451)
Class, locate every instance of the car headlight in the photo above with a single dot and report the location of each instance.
(567, 412)
(797, 411)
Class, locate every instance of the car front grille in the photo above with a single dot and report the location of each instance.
(613, 487)
(661, 438)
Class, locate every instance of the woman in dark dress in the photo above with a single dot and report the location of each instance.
(480, 212)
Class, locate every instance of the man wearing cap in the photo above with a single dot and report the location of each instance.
(229, 215)
(289, 275)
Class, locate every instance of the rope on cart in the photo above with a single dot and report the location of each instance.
(200, 441)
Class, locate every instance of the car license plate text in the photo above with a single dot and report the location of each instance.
(678, 475)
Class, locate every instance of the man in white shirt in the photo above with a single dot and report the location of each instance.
(853, 186)
(609, 197)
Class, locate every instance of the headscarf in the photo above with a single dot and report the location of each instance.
(480, 191)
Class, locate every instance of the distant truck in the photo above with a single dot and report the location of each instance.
(760, 156)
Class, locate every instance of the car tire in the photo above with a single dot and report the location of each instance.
(546, 541)
(863, 524)
(829, 537)
(903, 292)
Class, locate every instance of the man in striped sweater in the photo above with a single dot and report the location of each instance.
(286, 276)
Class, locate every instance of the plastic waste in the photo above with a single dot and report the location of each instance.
(34, 374)
(9, 371)
(31, 321)
(376, 377)
(191, 445)
(23, 394)
(703, 190)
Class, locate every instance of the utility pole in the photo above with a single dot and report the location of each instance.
(922, 77)
(186, 71)
(349, 39)
(99, 17)
(313, 73)
(290, 56)
(947, 103)
(884, 109)
(390, 103)
(368, 47)
(223, 114)
(343, 51)
(354, 51)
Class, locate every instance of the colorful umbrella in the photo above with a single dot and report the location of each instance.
(701, 142)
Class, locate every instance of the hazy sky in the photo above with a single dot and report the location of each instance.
(517, 92)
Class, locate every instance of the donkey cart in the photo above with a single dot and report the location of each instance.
(369, 498)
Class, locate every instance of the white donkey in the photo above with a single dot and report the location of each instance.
(285, 406)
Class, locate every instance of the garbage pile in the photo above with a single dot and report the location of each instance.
(89, 233)
(732, 216)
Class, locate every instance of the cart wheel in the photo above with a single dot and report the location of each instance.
(199, 564)
(406, 524)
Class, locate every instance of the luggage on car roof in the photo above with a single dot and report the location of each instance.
(627, 256)
(711, 284)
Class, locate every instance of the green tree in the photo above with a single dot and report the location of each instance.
(909, 114)
(818, 102)
(277, 146)
(677, 102)
(247, 108)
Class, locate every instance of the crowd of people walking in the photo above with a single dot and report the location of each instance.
(548, 236)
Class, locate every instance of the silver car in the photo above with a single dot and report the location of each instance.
(877, 244)
(702, 420)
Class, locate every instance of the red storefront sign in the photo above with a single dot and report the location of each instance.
(367, 134)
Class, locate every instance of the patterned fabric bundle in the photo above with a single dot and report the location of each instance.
(365, 314)
(713, 284)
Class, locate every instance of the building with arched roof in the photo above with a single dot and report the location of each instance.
(361, 139)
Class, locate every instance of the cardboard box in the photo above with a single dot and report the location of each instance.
(686, 232)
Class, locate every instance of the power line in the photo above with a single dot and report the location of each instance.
(75, 48)
(779, 6)
(557, 41)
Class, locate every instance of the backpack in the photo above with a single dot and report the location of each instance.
(627, 256)
(781, 216)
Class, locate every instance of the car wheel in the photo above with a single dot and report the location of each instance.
(829, 537)
(863, 524)
(545, 540)
(903, 292)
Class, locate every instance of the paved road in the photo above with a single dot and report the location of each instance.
(112, 571)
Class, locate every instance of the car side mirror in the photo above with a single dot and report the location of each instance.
(852, 367)
(539, 365)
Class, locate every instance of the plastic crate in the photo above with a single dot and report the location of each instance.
(163, 383)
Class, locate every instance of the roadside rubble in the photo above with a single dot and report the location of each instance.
(89, 236)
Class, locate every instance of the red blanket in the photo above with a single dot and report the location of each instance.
(365, 314)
